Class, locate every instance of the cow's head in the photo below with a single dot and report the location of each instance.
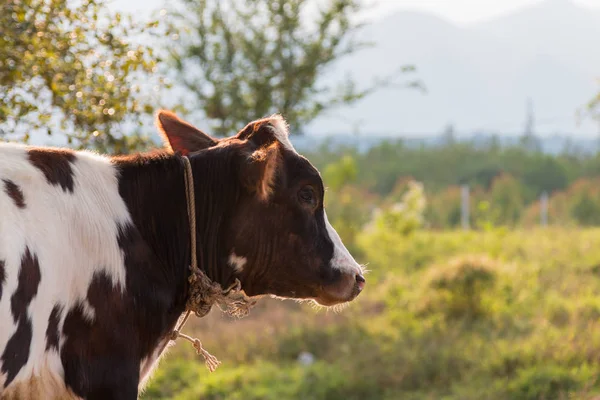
(278, 241)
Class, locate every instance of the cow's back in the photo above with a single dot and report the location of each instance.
(60, 212)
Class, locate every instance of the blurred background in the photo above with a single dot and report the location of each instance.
(460, 144)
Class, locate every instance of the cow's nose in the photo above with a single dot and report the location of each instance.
(360, 280)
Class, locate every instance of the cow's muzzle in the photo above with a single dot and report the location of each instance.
(347, 287)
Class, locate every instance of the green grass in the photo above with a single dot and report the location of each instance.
(453, 315)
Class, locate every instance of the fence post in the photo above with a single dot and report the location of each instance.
(464, 209)
(544, 209)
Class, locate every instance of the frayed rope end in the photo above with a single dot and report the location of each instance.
(212, 362)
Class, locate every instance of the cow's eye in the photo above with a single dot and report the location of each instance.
(307, 195)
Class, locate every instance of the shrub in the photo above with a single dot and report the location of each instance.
(546, 382)
(268, 381)
(461, 283)
(405, 217)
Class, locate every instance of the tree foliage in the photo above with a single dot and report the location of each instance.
(69, 67)
(506, 181)
(243, 59)
(338, 174)
(403, 217)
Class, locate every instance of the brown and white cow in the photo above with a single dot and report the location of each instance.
(95, 253)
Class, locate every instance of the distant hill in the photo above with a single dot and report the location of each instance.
(478, 77)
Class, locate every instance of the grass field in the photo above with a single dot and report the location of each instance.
(451, 315)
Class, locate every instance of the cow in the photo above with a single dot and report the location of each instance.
(95, 250)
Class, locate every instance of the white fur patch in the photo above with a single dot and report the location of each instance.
(88, 310)
(237, 262)
(342, 259)
(281, 131)
(73, 236)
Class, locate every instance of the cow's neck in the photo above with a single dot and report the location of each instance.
(153, 186)
(216, 195)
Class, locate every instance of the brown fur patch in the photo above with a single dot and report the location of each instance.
(56, 166)
(29, 280)
(14, 192)
(52, 334)
(16, 351)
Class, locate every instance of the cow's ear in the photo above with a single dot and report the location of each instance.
(260, 170)
(180, 136)
(267, 130)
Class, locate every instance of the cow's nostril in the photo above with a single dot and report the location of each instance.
(360, 278)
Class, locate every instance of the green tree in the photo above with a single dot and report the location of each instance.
(242, 59)
(584, 202)
(69, 67)
(444, 208)
(340, 173)
(507, 198)
(404, 217)
(348, 207)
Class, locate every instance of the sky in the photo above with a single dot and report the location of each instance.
(461, 12)
(464, 12)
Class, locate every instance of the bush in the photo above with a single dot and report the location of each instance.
(461, 283)
(405, 217)
(268, 381)
(546, 382)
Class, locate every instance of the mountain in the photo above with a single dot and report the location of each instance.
(478, 77)
(555, 27)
